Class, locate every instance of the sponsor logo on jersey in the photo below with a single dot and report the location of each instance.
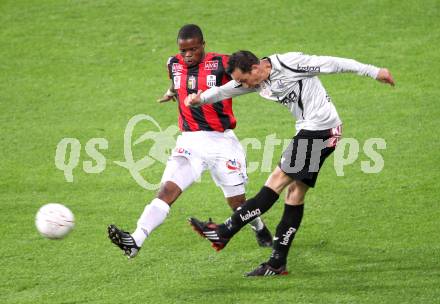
(308, 68)
(289, 98)
(249, 214)
(176, 80)
(182, 151)
(191, 83)
(211, 81)
(287, 235)
(176, 68)
(233, 165)
(211, 65)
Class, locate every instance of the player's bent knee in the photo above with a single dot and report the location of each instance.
(291, 188)
(296, 193)
(169, 192)
(236, 201)
(278, 180)
(289, 195)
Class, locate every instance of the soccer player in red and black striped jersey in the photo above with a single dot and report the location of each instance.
(207, 141)
(201, 71)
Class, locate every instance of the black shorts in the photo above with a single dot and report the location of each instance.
(307, 152)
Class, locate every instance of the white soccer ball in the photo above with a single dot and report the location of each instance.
(54, 221)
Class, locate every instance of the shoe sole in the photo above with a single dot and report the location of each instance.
(217, 246)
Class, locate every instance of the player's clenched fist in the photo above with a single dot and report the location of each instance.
(193, 99)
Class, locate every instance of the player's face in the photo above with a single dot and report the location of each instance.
(249, 79)
(192, 50)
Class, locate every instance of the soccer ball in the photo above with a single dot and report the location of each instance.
(54, 221)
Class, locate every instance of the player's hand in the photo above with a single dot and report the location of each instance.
(193, 100)
(166, 98)
(385, 76)
(169, 95)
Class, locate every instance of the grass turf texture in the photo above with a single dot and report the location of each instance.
(82, 68)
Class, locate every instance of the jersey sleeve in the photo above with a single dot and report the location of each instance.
(169, 67)
(228, 90)
(311, 65)
(225, 62)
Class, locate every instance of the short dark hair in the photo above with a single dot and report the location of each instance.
(243, 60)
(189, 31)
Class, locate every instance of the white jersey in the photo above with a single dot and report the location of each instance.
(293, 82)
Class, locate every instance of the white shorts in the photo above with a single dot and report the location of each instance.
(219, 152)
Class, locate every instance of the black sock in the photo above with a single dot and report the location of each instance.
(285, 234)
(250, 210)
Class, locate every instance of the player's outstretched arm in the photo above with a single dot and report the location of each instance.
(311, 65)
(385, 76)
(215, 94)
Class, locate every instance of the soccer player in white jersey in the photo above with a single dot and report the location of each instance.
(291, 80)
(207, 142)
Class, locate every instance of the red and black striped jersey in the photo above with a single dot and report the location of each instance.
(209, 73)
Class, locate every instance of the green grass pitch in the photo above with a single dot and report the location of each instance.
(82, 69)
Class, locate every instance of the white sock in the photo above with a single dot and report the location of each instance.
(154, 214)
(257, 224)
